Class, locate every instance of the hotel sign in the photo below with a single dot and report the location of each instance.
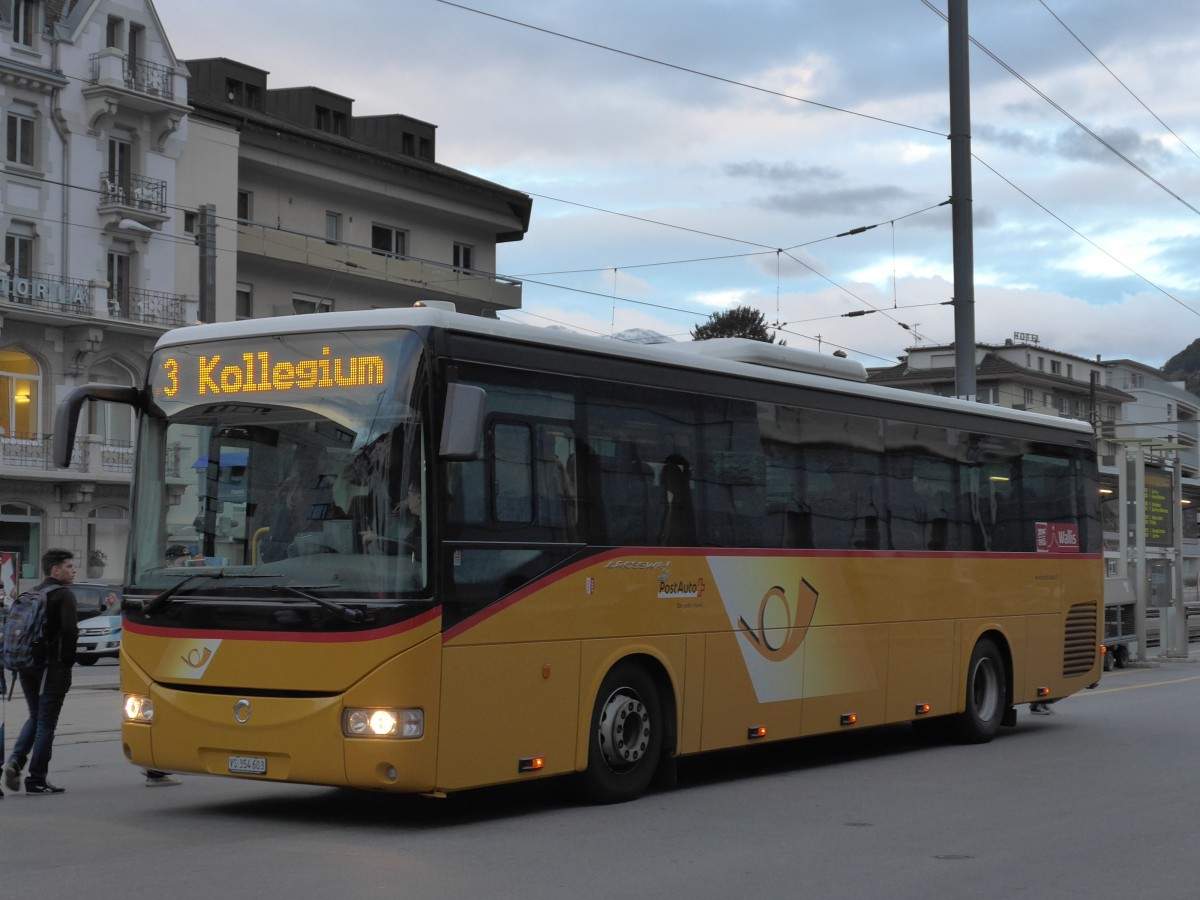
(43, 290)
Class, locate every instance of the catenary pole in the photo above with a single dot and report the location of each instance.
(960, 201)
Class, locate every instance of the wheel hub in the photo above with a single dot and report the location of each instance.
(624, 730)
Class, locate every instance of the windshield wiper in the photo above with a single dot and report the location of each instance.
(349, 613)
(157, 603)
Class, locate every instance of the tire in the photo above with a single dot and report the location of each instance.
(625, 735)
(1108, 660)
(987, 694)
(1121, 659)
(86, 660)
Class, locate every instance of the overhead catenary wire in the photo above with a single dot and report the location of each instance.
(687, 70)
(1079, 124)
(1117, 78)
(1084, 237)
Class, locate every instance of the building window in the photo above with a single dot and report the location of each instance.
(134, 52)
(20, 139)
(407, 147)
(113, 422)
(389, 241)
(21, 531)
(189, 223)
(425, 148)
(1055, 367)
(1111, 410)
(333, 227)
(464, 257)
(24, 21)
(1070, 371)
(988, 394)
(306, 303)
(1048, 400)
(107, 532)
(1170, 412)
(1041, 364)
(245, 301)
(118, 284)
(245, 205)
(20, 395)
(18, 254)
(323, 118)
(1027, 397)
(120, 166)
(112, 34)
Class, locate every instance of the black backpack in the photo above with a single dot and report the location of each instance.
(23, 628)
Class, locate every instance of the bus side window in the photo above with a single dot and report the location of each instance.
(678, 528)
(623, 493)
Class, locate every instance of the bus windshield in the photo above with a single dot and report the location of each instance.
(294, 461)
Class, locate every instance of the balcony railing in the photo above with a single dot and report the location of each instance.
(133, 191)
(48, 292)
(150, 307)
(32, 453)
(139, 76)
(423, 276)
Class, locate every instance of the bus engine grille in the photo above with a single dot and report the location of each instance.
(1079, 640)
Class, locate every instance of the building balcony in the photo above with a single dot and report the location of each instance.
(51, 293)
(139, 85)
(29, 456)
(415, 279)
(148, 307)
(126, 196)
(51, 297)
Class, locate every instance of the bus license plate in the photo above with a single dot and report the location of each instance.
(248, 765)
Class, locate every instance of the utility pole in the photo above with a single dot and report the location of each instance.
(960, 200)
(206, 239)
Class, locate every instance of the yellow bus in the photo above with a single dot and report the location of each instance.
(411, 550)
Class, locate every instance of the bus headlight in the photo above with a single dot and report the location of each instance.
(384, 723)
(138, 708)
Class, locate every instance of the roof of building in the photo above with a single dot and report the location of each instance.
(990, 368)
(243, 117)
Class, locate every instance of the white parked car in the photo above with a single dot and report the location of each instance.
(99, 636)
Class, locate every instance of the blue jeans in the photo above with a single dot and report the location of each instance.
(45, 689)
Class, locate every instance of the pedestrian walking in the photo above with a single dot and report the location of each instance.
(45, 684)
(3, 697)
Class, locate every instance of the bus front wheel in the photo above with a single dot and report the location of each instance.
(987, 694)
(625, 736)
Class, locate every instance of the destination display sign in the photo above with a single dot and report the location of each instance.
(280, 368)
(255, 371)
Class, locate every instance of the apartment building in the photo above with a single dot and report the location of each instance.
(94, 108)
(323, 209)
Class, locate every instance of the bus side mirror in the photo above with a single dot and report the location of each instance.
(66, 416)
(462, 422)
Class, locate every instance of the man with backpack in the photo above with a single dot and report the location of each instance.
(46, 680)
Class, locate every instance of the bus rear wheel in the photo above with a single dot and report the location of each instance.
(987, 694)
(625, 736)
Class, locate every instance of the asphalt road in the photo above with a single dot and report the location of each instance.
(1097, 801)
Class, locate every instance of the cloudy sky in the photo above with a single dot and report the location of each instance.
(685, 157)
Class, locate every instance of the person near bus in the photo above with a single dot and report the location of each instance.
(46, 683)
